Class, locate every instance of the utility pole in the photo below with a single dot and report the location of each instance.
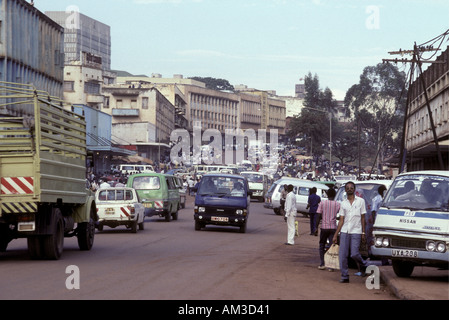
(417, 50)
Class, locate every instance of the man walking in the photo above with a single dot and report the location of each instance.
(312, 203)
(290, 215)
(351, 227)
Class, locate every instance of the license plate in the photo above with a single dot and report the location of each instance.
(109, 211)
(147, 205)
(220, 219)
(404, 253)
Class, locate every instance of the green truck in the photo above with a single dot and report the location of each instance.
(44, 196)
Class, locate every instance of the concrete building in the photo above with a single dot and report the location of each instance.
(83, 34)
(31, 47)
(141, 116)
(83, 81)
(420, 145)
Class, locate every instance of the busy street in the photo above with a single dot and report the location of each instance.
(173, 261)
(224, 158)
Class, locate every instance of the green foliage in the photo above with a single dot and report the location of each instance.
(215, 84)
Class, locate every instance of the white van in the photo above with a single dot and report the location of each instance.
(135, 168)
(412, 225)
(300, 187)
(258, 183)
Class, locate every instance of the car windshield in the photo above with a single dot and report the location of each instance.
(257, 178)
(147, 183)
(419, 192)
(366, 191)
(115, 195)
(222, 186)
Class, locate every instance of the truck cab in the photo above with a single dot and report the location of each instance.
(412, 225)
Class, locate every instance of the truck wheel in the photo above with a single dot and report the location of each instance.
(54, 244)
(403, 269)
(198, 225)
(35, 247)
(86, 234)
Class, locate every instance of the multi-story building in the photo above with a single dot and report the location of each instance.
(83, 81)
(83, 34)
(141, 116)
(420, 144)
(31, 47)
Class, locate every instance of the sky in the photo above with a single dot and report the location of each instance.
(264, 44)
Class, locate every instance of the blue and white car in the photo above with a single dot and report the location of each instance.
(412, 225)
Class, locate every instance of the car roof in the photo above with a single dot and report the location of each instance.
(307, 183)
(254, 172)
(427, 172)
(115, 188)
(221, 174)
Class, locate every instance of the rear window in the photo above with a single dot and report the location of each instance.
(147, 183)
(115, 195)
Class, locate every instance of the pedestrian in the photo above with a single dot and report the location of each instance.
(312, 204)
(351, 228)
(290, 215)
(284, 193)
(377, 200)
(327, 212)
(191, 184)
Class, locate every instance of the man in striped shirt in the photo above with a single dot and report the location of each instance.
(327, 210)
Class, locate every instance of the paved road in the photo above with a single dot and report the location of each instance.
(172, 261)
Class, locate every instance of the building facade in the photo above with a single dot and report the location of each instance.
(141, 116)
(422, 150)
(83, 34)
(31, 47)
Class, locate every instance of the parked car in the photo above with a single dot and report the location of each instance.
(119, 206)
(412, 225)
(301, 188)
(159, 194)
(222, 199)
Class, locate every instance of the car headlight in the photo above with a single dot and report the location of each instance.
(441, 247)
(378, 242)
(239, 211)
(382, 242)
(201, 209)
(430, 245)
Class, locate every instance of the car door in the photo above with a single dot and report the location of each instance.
(302, 197)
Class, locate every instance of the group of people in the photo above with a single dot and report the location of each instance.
(351, 226)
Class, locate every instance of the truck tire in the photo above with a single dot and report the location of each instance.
(86, 234)
(35, 247)
(53, 244)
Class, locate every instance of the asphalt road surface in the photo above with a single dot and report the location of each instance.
(172, 261)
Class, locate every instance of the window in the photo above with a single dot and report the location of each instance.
(69, 86)
(145, 103)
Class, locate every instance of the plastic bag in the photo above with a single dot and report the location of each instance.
(331, 258)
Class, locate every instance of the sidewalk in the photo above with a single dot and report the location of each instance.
(425, 283)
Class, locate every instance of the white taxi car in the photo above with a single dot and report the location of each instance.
(119, 206)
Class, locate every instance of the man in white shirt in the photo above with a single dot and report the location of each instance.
(290, 215)
(351, 227)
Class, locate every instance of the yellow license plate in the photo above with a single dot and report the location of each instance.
(147, 204)
(109, 210)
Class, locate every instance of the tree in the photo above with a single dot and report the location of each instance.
(214, 83)
(311, 126)
(377, 101)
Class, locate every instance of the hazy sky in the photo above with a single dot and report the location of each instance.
(264, 44)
